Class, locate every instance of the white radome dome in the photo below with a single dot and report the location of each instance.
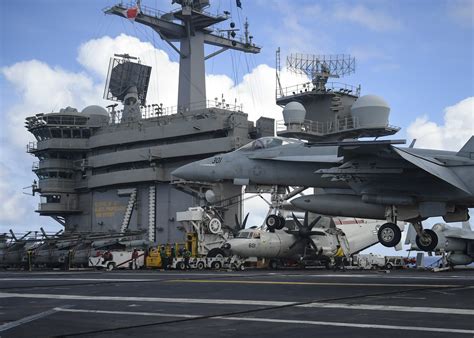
(95, 110)
(371, 111)
(370, 101)
(294, 112)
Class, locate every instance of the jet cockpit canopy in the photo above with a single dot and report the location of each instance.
(268, 142)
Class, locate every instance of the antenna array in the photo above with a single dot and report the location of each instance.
(321, 65)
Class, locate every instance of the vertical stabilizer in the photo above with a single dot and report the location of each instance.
(468, 149)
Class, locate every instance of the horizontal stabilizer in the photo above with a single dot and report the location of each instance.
(468, 149)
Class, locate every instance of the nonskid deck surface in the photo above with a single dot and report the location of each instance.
(249, 303)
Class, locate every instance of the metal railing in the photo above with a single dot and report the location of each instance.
(155, 110)
(319, 128)
(156, 12)
(330, 87)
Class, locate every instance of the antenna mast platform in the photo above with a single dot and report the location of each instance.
(190, 26)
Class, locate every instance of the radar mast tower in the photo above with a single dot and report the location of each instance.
(190, 26)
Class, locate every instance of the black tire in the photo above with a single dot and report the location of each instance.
(429, 244)
(200, 265)
(110, 266)
(273, 264)
(272, 222)
(389, 235)
(216, 265)
(216, 252)
(281, 223)
(389, 266)
(180, 266)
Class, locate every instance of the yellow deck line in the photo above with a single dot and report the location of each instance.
(306, 283)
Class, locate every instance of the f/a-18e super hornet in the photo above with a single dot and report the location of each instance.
(314, 239)
(367, 179)
(457, 243)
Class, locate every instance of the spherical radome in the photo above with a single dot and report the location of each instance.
(95, 110)
(370, 101)
(294, 112)
(370, 111)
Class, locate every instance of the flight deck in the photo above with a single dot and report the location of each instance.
(402, 303)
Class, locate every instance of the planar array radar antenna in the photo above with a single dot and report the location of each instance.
(321, 67)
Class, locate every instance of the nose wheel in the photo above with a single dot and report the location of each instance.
(389, 235)
(274, 222)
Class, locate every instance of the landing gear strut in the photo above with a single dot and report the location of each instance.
(274, 220)
(389, 234)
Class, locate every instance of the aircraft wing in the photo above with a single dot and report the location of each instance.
(380, 152)
(434, 168)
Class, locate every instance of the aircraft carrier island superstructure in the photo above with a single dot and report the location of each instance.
(318, 110)
(109, 170)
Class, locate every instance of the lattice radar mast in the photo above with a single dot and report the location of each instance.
(321, 67)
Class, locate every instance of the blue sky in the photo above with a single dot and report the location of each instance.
(418, 55)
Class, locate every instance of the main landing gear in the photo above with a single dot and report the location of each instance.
(389, 234)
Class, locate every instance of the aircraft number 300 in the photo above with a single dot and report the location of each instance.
(217, 159)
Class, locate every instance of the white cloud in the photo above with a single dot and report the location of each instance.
(373, 19)
(14, 204)
(458, 127)
(43, 88)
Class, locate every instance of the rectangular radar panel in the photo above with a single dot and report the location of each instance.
(124, 76)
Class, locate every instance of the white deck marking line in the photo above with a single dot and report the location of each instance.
(25, 320)
(235, 281)
(136, 313)
(28, 279)
(453, 311)
(147, 299)
(468, 312)
(271, 320)
(355, 325)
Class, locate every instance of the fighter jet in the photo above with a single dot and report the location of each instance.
(367, 179)
(316, 240)
(458, 243)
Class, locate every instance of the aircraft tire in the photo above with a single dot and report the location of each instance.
(429, 245)
(389, 235)
(281, 223)
(272, 222)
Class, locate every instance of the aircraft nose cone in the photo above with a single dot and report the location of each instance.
(202, 170)
(185, 172)
(236, 247)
